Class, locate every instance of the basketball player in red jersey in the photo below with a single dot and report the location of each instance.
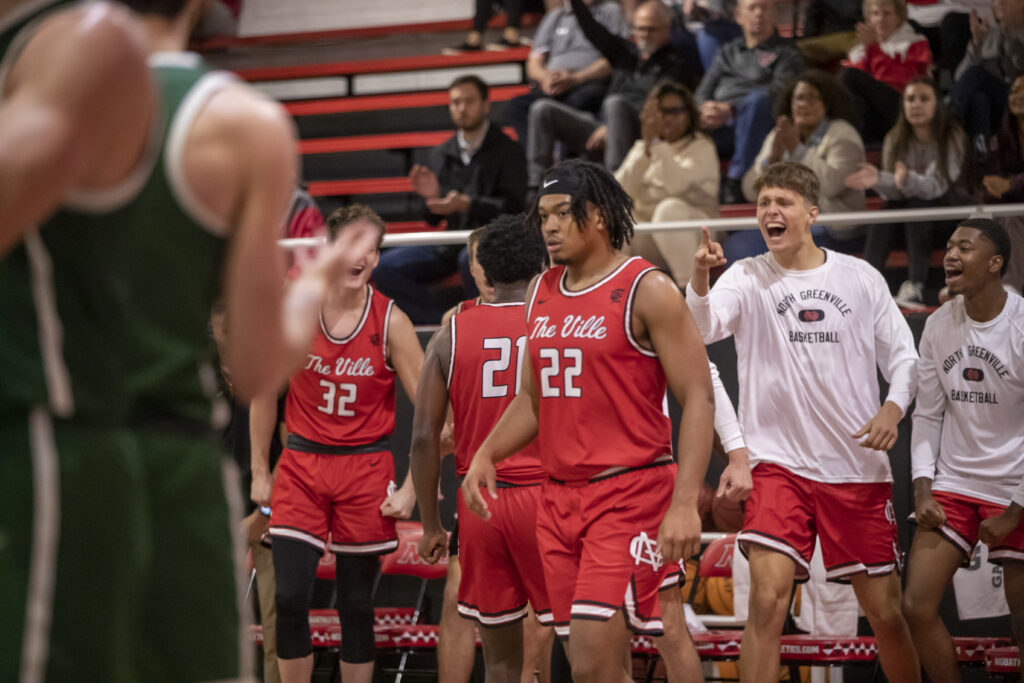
(456, 637)
(474, 362)
(335, 479)
(607, 335)
(479, 278)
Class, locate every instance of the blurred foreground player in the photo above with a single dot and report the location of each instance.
(111, 475)
(68, 123)
(105, 404)
(812, 327)
(968, 440)
(474, 362)
(606, 335)
(334, 487)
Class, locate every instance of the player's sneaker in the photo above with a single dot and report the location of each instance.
(910, 296)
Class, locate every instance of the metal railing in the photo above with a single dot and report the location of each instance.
(941, 213)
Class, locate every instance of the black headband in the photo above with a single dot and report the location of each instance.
(559, 182)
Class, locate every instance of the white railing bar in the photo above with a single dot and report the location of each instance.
(746, 223)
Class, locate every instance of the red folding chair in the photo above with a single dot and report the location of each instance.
(715, 562)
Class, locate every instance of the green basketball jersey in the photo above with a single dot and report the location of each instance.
(116, 328)
(23, 329)
(173, 260)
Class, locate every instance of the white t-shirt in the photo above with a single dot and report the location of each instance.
(808, 343)
(969, 420)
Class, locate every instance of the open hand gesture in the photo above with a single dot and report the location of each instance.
(979, 28)
(424, 182)
(864, 178)
(866, 35)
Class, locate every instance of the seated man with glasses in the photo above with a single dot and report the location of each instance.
(672, 174)
(636, 66)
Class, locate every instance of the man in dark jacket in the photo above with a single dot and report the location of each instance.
(471, 178)
(636, 66)
(736, 95)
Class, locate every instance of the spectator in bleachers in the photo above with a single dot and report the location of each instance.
(922, 159)
(476, 175)
(672, 174)
(887, 55)
(637, 65)
(946, 25)
(736, 94)
(510, 35)
(1004, 180)
(994, 57)
(812, 128)
(564, 65)
(829, 30)
(718, 27)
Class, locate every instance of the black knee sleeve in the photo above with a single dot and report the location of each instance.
(355, 607)
(295, 571)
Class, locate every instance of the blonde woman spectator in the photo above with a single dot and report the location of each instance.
(811, 128)
(887, 55)
(672, 174)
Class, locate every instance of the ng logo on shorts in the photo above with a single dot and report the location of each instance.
(644, 550)
(890, 512)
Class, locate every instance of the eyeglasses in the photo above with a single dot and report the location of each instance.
(645, 29)
(671, 111)
(807, 97)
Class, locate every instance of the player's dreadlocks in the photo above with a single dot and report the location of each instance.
(587, 182)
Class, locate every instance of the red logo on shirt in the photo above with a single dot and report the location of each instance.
(765, 59)
(973, 374)
(811, 315)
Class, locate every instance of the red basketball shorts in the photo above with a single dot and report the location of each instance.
(501, 568)
(598, 543)
(855, 523)
(963, 517)
(316, 495)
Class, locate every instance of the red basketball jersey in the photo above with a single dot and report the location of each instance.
(488, 343)
(602, 395)
(467, 304)
(345, 394)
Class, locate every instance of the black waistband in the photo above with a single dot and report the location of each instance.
(297, 443)
(500, 484)
(602, 477)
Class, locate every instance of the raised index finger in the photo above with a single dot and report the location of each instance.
(705, 236)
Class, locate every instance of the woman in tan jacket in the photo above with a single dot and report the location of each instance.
(811, 128)
(672, 173)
